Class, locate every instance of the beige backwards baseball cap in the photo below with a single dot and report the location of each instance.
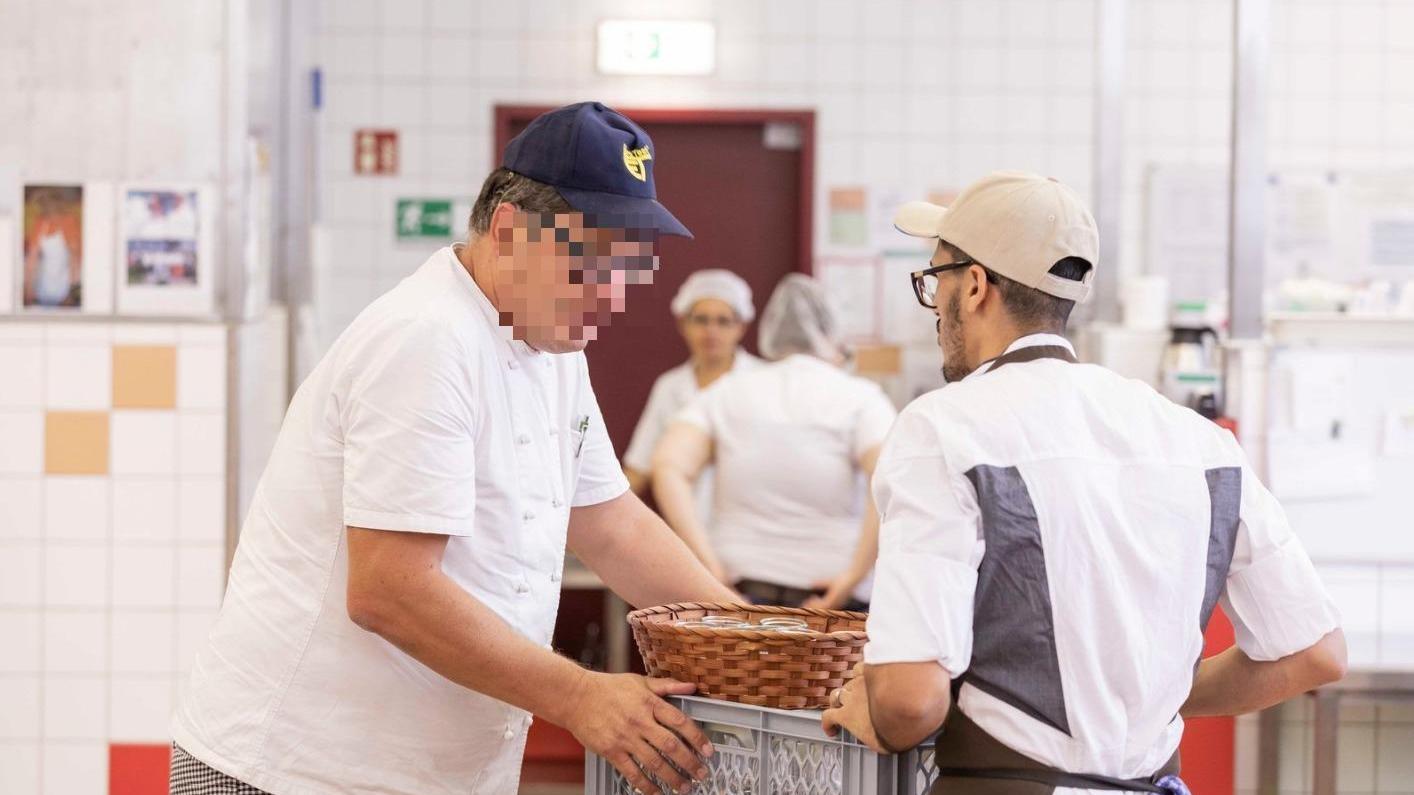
(1017, 224)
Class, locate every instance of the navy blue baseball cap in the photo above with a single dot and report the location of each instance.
(599, 160)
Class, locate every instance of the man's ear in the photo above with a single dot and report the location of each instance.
(977, 288)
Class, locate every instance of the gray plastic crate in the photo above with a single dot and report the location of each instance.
(761, 751)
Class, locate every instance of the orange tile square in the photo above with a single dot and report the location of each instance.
(144, 376)
(76, 443)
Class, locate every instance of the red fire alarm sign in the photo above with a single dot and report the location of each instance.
(375, 152)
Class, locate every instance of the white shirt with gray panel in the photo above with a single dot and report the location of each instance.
(1057, 537)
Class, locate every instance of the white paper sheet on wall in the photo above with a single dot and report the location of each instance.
(1321, 443)
(1301, 226)
(1322, 394)
(1186, 229)
(99, 210)
(1398, 437)
(1376, 223)
(1346, 498)
(853, 286)
(904, 321)
(883, 205)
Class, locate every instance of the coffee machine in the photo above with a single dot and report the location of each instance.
(1192, 366)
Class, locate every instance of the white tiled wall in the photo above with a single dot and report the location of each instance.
(910, 94)
(109, 91)
(1340, 88)
(107, 581)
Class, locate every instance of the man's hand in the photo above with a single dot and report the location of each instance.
(850, 711)
(623, 718)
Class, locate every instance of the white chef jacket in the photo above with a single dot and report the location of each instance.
(1057, 535)
(787, 437)
(671, 392)
(423, 416)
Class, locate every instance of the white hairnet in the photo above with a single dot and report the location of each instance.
(799, 319)
(722, 285)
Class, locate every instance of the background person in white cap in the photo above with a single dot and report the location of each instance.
(1055, 537)
(790, 440)
(713, 308)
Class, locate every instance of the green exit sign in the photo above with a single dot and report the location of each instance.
(424, 218)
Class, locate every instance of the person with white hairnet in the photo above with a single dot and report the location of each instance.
(792, 522)
(713, 308)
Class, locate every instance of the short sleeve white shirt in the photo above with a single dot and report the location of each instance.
(787, 439)
(1115, 520)
(423, 416)
(671, 392)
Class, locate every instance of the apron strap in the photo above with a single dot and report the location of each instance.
(975, 763)
(1056, 779)
(1031, 354)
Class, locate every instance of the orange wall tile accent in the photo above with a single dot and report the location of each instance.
(76, 443)
(144, 377)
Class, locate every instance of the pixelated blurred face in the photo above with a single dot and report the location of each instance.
(567, 274)
(711, 329)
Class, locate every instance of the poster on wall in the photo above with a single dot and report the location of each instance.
(52, 248)
(849, 220)
(63, 262)
(165, 252)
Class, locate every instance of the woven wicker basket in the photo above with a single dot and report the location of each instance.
(764, 668)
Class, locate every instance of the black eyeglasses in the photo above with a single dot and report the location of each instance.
(925, 282)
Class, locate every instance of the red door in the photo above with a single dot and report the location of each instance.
(748, 203)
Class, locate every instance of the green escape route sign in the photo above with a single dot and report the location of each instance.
(419, 218)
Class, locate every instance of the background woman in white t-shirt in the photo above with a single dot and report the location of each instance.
(794, 443)
(713, 308)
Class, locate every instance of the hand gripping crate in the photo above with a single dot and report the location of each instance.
(764, 751)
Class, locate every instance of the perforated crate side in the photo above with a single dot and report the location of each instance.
(763, 751)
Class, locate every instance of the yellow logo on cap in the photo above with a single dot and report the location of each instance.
(634, 159)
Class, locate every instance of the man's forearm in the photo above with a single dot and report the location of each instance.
(1231, 683)
(646, 564)
(450, 631)
(907, 702)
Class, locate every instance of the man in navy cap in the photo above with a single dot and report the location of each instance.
(387, 619)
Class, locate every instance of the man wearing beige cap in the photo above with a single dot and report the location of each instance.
(1054, 538)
